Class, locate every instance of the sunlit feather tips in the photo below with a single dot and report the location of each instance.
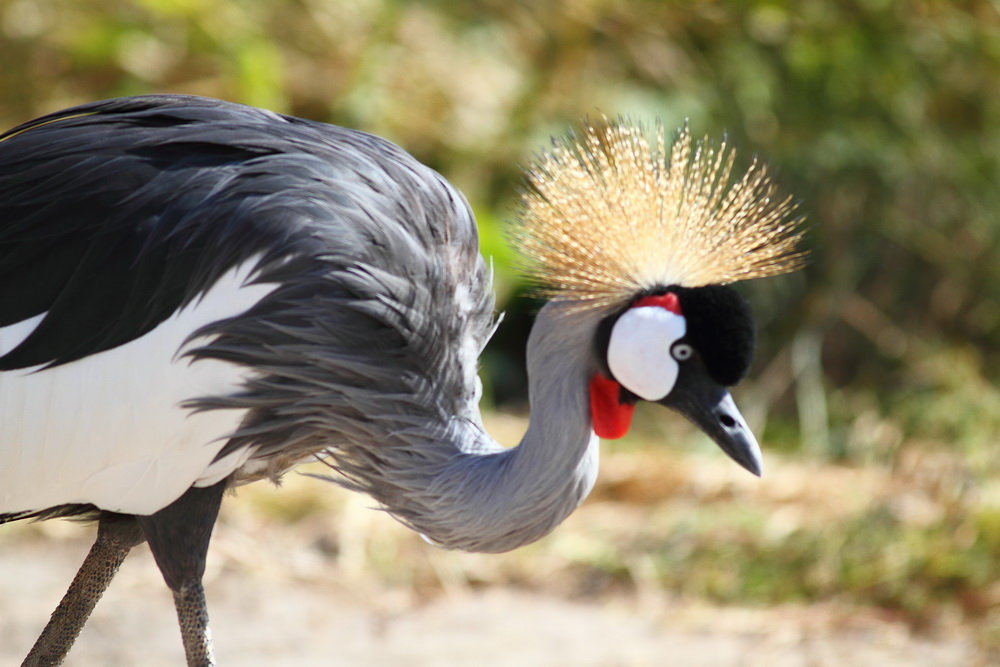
(616, 211)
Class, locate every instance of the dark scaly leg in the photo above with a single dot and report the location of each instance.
(178, 536)
(116, 535)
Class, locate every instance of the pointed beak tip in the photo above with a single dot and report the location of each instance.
(714, 412)
(742, 447)
(752, 463)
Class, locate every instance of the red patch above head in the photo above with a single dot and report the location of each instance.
(668, 301)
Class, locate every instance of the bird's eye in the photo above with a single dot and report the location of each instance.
(682, 351)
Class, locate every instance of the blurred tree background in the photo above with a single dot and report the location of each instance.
(883, 118)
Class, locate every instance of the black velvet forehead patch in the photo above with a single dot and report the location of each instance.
(720, 327)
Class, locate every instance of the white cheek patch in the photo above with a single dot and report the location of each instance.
(639, 351)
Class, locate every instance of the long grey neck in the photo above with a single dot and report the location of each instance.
(491, 499)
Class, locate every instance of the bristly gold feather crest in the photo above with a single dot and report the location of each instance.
(614, 213)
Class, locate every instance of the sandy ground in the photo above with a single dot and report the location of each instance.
(261, 617)
(308, 574)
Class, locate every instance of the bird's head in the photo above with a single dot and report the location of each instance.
(647, 237)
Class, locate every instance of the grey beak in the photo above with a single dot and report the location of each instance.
(710, 407)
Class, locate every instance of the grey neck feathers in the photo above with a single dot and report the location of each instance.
(366, 356)
(461, 490)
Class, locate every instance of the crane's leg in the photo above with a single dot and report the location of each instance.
(116, 535)
(178, 536)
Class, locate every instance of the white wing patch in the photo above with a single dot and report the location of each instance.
(639, 351)
(109, 429)
(13, 335)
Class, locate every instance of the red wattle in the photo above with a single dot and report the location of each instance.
(668, 301)
(611, 418)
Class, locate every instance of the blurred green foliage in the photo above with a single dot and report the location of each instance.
(882, 117)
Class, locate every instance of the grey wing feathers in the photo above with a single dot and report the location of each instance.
(389, 334)
(383, 301)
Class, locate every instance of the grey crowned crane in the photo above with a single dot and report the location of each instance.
(196, 294)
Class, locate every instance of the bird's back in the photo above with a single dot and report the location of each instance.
(174, 269)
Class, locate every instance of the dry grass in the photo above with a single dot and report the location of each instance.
(674, 545)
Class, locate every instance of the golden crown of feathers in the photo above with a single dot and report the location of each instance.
(612, 213)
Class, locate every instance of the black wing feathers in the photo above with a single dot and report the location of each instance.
(114, 215)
